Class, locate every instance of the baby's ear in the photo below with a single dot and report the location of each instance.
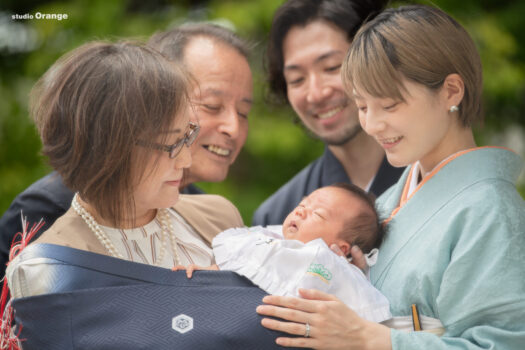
(344, 246)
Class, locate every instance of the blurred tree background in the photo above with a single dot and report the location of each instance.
(277, 147)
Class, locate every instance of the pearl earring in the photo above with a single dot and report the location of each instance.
(453, 109)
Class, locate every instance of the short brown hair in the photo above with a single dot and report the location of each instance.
(363, 229)
(93, 105)
(419, 43)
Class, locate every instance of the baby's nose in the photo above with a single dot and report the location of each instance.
(300, 212)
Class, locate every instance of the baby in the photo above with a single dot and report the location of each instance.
(341, 214)
(297, 255)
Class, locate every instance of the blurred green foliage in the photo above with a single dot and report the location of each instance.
(277, 148)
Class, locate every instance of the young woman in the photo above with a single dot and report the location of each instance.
(455, 222)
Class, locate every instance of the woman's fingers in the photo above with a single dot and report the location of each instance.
(290, 302)
(358, 258)
(287, 327)
(283, 313)
(331, 324)
(335, 248)
(315, 307)
(294, 328)
(190, 269)
(314, 294)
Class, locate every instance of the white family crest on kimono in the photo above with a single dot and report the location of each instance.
(455, 249)
(282, 266)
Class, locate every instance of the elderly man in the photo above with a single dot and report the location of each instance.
(308, 42)
(218, 60)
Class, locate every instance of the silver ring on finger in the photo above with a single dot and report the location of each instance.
(307, 330)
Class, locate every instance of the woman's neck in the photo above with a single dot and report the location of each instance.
(458, 139)
(144, 217)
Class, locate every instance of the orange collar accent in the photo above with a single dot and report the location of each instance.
(404, 195)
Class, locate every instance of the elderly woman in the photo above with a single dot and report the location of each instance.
(452, 261)
(222, 98)
(116, 123)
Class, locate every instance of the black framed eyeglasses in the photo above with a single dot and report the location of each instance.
(174, 150)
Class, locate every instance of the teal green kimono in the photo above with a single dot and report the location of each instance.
(456, 249)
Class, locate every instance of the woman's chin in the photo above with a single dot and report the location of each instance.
(397, 161)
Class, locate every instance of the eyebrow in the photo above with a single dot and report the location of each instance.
(317, 60)
(248, 101)
(213, 91)
(218, 92)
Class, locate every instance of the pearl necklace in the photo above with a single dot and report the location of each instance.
(166, 228)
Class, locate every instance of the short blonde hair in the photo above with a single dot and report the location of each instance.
(419, 43)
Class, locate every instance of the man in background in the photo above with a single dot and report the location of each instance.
(308, 42)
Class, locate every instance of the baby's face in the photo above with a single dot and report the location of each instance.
(320, 215)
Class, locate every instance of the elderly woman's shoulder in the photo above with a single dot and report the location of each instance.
(209, 207)
(204, 201)
(70, 230)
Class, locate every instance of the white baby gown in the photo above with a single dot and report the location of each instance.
(281, 266)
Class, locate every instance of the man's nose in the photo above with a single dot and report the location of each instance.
(229, 124)
(318, 90)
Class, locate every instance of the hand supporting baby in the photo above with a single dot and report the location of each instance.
(192, 267)
(357, 256)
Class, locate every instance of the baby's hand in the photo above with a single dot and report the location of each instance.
(192, 267)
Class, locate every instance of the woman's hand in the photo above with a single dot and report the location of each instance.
(192, 267)
(358, 258)
(332, 325)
